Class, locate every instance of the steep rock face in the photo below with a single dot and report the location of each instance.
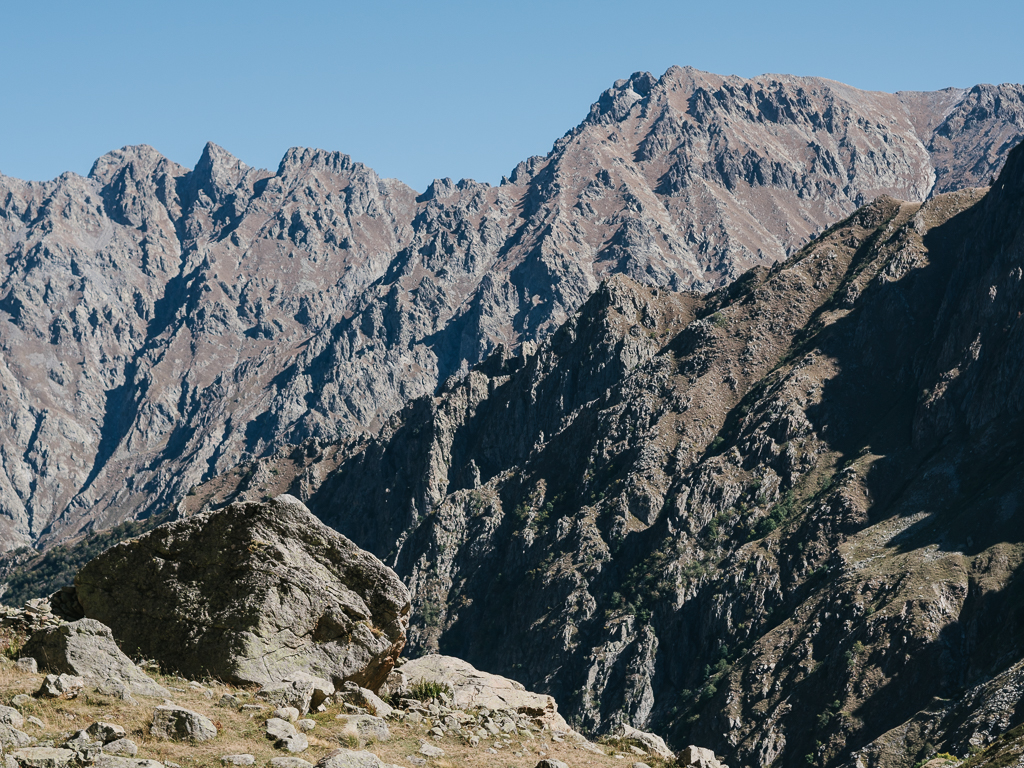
(159, 325)
(779, 519)
(254, 593)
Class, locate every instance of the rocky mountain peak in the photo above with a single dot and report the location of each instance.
(170, 324)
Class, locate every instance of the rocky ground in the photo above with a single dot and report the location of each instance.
(240, 720)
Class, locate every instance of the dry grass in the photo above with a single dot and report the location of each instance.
(242, 733)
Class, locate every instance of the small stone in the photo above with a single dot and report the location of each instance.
(229, 701)
(474, 741)
(21, 700)
(32, 720)
(551, 763)
(284, 735)
(306, 725)
(365, 728)
(291, 714)
(43, 757)
(639, 765)
(11, 716)
(106, 732)
(431, 751)
(237, 759)
(289, 762)
(121, 747)
(12, 737)
(61, 687)
(27, 664)
(173, 722)
(251, 708)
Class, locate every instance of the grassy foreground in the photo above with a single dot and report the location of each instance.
(242, 731)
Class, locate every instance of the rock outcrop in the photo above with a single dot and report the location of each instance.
(254, 593)
(473, 689)
(86, 648)
(160, 326)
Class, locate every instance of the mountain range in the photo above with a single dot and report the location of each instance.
(160, 326)
(708, 422)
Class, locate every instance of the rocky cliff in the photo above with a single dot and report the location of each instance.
(161, 325)
(780, 519)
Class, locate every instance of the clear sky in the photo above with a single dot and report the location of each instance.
(418, 90)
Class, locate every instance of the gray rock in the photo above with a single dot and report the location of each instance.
(11, 716)
(289, 762)
(291, 714)
(301, 691)
(431, 751)
(698, 757)
(306, 725)
(86, 648)
(173, 722)
(347, 758)
(117, 688)
(366, 699)
(27, 664)
(230, 701)
(60, 687)
(115, 761)
(106, 732)
(639, 765)
(325, 607)
(366, 728)
(31, 720)
(474, 689)
(284, 735)
(12, 737)
(237, 759)
(549, 762)
(124, 747)
(43, 757)
(653, 743)
(21, 699)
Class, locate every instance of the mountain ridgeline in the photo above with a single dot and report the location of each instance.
(781, 519)
(161, 325)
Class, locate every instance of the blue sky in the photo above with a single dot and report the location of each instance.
(419, 90)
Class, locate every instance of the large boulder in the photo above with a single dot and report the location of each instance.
(252, 593)
(86, 648)
(472, 688)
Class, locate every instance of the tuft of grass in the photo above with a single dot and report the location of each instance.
(425, 690)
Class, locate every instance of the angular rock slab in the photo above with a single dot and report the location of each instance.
(284, 735)
(43, 757)
(473, 689)
(86, 648)
(366, 728)
(347, 758)
(172, 722)
(251, 594)
(652, 742)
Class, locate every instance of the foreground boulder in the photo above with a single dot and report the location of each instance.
(473, 689)
(173, 722)
(86, 648)
(252, 593)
